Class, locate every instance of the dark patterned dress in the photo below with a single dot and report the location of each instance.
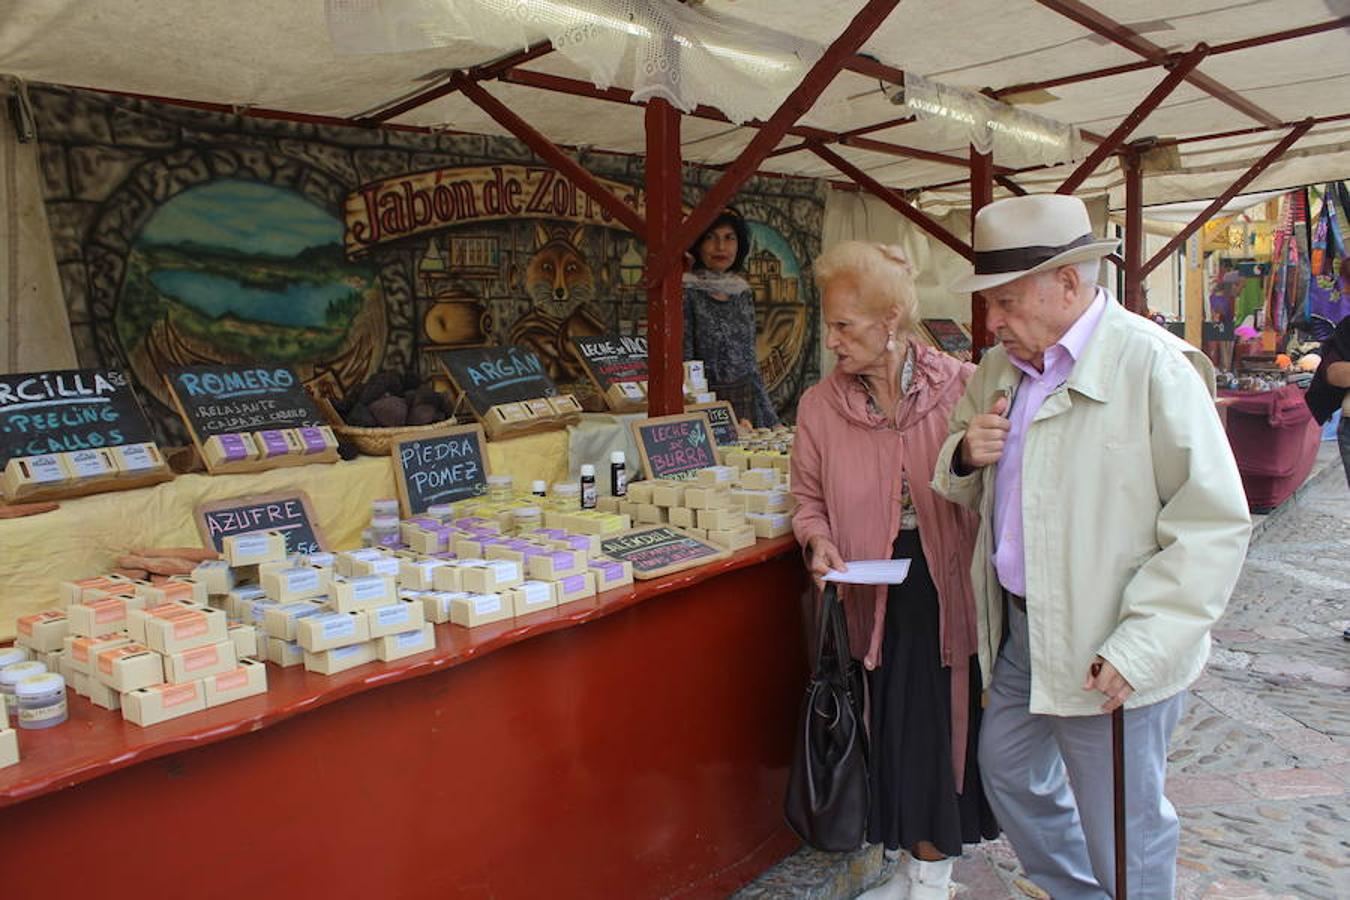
(721, 333)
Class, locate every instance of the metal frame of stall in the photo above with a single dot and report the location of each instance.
(667, 234)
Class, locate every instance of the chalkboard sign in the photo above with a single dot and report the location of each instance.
(612, 359)
(949, 336)
(288, 512)
(675, 446)
(74, 409)
(722, 418)
(491, 375)
(441, 468)
(230, 399)
(659, 550)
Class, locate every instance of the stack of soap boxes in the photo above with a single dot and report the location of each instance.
(467, 570)
(724, 505)
(24, 475)
(155, 651)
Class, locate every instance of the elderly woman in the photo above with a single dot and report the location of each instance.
(867, 441)
(719, 319)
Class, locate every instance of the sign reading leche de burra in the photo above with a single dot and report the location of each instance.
(442, 468)
(68, 411)
(675, 446)
(232, 399)
(488, 376)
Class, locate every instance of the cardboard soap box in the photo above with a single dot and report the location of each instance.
(200, 662)
(197, 626)
(248, 679)
(161, 702)
(406, 643)
(340, 659)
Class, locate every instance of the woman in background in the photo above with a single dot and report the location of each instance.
(868, 437)
(719, 319)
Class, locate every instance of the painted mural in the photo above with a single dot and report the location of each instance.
(193, 237)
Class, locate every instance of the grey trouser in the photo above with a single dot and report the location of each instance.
(1049, 781)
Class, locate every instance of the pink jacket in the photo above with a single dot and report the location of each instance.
(846, 465)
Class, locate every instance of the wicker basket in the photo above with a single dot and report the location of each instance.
(375, 441)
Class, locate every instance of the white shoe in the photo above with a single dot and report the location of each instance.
(930, 880)
(897, 886)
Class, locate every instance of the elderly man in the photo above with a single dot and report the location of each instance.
(1113, 527)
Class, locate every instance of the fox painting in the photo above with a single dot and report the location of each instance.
(560, 282)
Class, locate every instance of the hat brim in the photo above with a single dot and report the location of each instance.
(1096, 250)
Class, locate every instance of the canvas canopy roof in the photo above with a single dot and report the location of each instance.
(279, 56)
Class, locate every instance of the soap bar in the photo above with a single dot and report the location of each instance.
(419, 574)
(129, 667)
(712, 476)
(83, 651)
(246, 640)
(199, 662)
(406, 643)
(9, 746)
(161, 702)
(532, 596)
(97, 616)
(763, 479)
(668, 493)
(720, 519)
(770, 525)
(221, 449)
(246, 680)
(733, 539)
(27, 474)
(284, 653)
(564, 405)
(491, 576)
(316, 440)
(682, 518)
(698, 496)
(352, 594)
(332, 629)
(283, 621)
(392, 618)
(216, 574)
(45, 631)
(650, 514)
(136, 460)
(277, 442)
(179, 588)
(252, 549)
(610, 573)
(767, 501)
(556, 564)
(479, 609)
(576, 587)
(292, 584)
(641, 492)
(508, 414)
(92, 465)
(136, 618)
(436, 605)
(448, 578)
(192, 628)
(340, 659)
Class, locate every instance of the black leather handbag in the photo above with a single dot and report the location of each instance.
(827, 793)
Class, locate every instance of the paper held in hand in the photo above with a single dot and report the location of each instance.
(872, 571)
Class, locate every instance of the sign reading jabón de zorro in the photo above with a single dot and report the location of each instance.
(398, 207)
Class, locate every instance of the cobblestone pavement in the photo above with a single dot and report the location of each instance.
(1260, 764)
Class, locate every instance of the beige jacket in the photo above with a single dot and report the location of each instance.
(1135, 521)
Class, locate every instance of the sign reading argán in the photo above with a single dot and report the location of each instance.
(429, 201)
(491, 375)
(68, 411)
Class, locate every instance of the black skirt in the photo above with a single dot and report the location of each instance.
(914, 794)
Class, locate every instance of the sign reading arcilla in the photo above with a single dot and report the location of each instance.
(288, 512)
(68, 411)
(444, 467)
(659, 550)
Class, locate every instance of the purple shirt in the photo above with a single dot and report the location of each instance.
(1009, 556)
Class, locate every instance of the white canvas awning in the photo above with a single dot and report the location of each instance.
(279, 55)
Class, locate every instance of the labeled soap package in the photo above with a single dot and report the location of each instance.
(472, 610)
(43, 632)
(532, 596)
(491, 576)
(555, 564)
(327, 630)
(175, 588)
(221, 449)
(199, 662)
(283, 620)
(405, 643)
(253, 549)
(92, 465)
(611, 573)
(161, 702)
(340, 659)
(393, 618)
(129, 667)
(576, 587)
(82, 652)
(284, 653)
(274, 442)
(9, 746)
(245, 680)
(351, 594)
(294, 583)
(136, 460)
(25, 475)
(436, 605)
(193, 627)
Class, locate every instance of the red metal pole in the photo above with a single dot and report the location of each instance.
(981, 195)
(802, 98)
(489, 70)
(550, 152)
(665, 298)
(892, 199)
(1236, 188)
(1131, 122)
(1134, 231)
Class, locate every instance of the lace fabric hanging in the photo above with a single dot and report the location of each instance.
(686, 55)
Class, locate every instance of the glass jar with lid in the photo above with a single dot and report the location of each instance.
(42, 700)
(10, 676)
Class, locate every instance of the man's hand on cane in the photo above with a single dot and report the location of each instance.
(1102, 676)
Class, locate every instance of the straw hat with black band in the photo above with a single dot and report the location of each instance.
(1037, 233)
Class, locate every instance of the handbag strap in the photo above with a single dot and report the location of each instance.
(832, 627)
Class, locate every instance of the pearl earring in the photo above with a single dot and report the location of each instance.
(890, 342)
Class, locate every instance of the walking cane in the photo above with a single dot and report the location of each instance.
(1118, 764)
